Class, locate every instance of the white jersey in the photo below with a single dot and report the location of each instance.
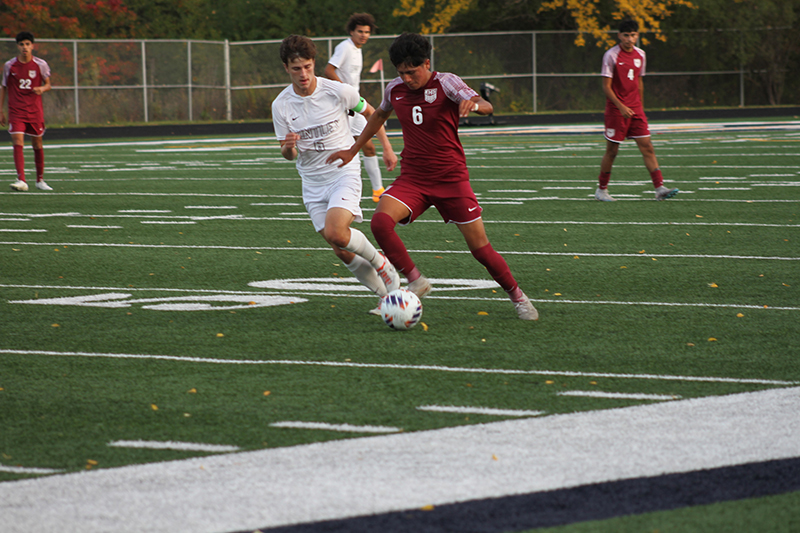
(349, 62)
(321, 121)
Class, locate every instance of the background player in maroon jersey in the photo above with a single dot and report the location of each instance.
(25, 79)
(433, 166)
(622, 71)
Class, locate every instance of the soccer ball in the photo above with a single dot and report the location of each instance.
(401, 309)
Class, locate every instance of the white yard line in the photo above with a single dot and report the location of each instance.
(478, 410)
(618, 395)
(172, 445)
(371, 475)
(381, 366)
(344, 428)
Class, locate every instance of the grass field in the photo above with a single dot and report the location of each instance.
(174, 291)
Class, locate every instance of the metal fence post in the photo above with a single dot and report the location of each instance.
(228, 105)
(533, 75)
(189, 74)
(75, 81)
(144, 81)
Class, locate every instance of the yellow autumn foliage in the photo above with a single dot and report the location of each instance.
(443, 13)
(648, 13)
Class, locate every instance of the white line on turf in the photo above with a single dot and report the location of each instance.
(383, 366)
(28, 470)
(172, 445)
(372, 475)
(315, 248)
(345, 428)
(618, 395)
(478, 410)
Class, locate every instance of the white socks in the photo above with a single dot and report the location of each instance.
(367, 275)
(374, 172)
(360, 245)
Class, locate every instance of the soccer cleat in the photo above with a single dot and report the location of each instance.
(420, 286)
(377, 309)
(42, 186)
(525, 309)
(19, 185)
(662, 193)
(603, 196)
(388, 275)
(376, 195)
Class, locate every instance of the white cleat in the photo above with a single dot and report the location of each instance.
(19, 185)
(603, 196)
(42, 186)
(420, 286)
(525, 309)
(662, 193)
(388, 275)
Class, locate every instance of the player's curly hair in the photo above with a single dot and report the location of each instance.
(410, 49)
(360, 19)
(297, 46)
(24, 36)
(628, 25)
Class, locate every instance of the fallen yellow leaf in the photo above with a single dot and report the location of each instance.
(424, 326)
(483, 313)
(494, 457)
(267, 393)
(192, 390)
(220, 334)
(427, 508)
(714, 285)
(154, 407)
(711, 339)
(739, 315)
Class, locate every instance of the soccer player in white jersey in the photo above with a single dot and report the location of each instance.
(310, 120)
(622, 71)
(345, 65)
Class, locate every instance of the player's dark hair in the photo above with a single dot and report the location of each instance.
(628, 25)
(360, 19)
(297, 47)
(24, 36)
(410, 49)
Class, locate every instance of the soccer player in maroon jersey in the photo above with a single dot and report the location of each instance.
(622, 71)
(25, 79)
(433, 168)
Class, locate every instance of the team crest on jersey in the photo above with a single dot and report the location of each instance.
(31, 74)
(430, 95)
(637, 63)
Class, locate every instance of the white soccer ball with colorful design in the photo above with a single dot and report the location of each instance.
(401, 309)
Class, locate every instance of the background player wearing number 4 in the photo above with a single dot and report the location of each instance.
(345, 65)
(25, 79)
(623, 68)
(434, 168)
(310, 119)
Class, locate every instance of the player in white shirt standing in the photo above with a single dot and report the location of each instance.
(310, 118)
(345, 65)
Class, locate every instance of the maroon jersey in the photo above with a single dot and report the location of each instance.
(429, 118)
(19, 79)
(624, 69)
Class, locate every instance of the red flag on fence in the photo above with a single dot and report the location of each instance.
(377, 66)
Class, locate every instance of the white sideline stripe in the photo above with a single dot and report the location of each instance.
(23, 230)
(618, 395)
(171, 445)
(345, 428)
(28, 470)
(478, 410)
(167, 222)
(382, 366)
(346, 478)
(93, 227)
(315, 248)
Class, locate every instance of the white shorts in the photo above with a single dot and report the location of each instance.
(344, 192)
(357, 124)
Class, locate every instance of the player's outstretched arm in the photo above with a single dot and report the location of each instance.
(374, 124)
(475, 105)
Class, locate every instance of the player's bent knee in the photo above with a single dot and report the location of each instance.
(381, 225)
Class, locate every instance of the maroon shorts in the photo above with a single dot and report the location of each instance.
(455, 201)
(34, 129)
(618, 129)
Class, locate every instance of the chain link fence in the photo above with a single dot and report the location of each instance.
(119, 81)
